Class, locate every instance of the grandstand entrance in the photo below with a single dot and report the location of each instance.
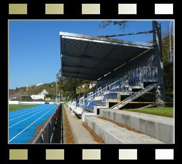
(117, 66)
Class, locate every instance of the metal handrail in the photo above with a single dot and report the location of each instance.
(122, 79)
(107, 86)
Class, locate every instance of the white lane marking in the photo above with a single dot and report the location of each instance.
(26, 118)
(29, 125)
(19, 113)
(25, 114)
(24, 111)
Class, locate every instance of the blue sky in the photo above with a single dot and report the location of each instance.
(34, 45)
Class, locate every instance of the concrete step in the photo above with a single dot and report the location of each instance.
(114, 134)
(158, 127)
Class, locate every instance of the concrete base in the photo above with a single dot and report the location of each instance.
(30, 102)
(87, 114)
(158, 127)
(113, 134)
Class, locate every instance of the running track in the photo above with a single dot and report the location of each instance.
(24, 123)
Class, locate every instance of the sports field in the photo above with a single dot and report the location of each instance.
(13, 107)
(23, 123)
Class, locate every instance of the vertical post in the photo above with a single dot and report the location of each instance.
(56, 92)
(160, 96)
(118, 100)
(170, 52)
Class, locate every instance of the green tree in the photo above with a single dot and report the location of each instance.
(168, 67)
(50, 95)
(70, 85)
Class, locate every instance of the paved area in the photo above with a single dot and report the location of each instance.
(80, 133)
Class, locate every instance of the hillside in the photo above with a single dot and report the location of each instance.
(50, 88)
(34, 90)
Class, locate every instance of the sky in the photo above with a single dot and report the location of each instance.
(34, 45)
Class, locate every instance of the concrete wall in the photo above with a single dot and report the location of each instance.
(161, 128)
(14, 102)
(29, 102)
(26, 102)
(113, 134)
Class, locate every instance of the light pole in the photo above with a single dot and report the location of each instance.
(56, 91)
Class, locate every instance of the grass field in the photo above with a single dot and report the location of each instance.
(18, 106)
(161, 111)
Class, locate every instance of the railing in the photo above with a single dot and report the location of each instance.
(99, 92)
(133, 96)
(141, 73)
(133, 79)
(46, 133)
(129, 100)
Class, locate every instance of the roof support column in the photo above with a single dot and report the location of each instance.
(160, 96)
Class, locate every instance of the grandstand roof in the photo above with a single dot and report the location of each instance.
(91, 57)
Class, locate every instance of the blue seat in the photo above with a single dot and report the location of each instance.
(86, 103)
(138, 78)
(114, 90)
(91, 104)
(104, 98)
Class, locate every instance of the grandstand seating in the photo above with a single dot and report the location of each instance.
(108, 91)
(134, 66)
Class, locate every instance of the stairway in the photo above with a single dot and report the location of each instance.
(125, 127)
(114, 134)
(135, 96)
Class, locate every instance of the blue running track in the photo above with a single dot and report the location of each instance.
(24, 123)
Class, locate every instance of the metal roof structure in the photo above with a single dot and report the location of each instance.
(92, 57)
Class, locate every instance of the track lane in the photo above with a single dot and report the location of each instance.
(21, 111)
(23, 131)
(26, 117)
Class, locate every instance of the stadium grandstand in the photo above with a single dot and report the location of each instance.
(117, 66)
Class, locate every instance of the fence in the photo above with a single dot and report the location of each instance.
(46, 133)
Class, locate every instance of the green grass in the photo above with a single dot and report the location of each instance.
(161, 111)
(18, 106)
(65, 101)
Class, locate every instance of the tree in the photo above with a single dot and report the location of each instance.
(121, 24)
(68, 84)
(168, 67)
(50, 95)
